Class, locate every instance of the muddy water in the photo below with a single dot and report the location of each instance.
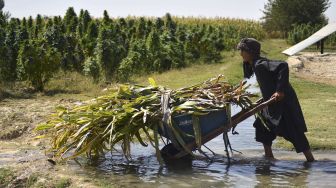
(246, 170)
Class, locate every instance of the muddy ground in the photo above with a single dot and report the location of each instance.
(314, 66)
(23, 162)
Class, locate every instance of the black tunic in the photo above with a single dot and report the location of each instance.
(286, 115)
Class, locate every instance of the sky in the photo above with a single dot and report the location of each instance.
(247, 9)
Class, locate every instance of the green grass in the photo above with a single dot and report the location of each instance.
(318, 101)
(63, 183)
(72, 83)
(6, 176)
(230, 67)
(61, 86)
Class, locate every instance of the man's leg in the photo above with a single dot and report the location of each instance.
(264, 136)
(301, 144)
(268, 151)
(309, 156)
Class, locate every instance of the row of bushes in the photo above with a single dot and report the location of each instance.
(303, 31)
(33, 49)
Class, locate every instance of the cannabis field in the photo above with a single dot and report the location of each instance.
(111, 50)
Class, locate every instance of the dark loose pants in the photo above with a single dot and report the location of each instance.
(290, 133)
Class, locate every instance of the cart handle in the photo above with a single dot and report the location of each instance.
(241, 116)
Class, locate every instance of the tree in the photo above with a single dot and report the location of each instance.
(106, 19)
(2, 5)
(38, 26)
(37, 62)
(90, 39)
(154, 48)
(70, 20)
(73, 57)
(80, 30)
(159, 23)
(170, 24)
(282, 15)
(109, 53)
(92, 68)
(53, 35)
(22, 34)
(3, 48)
(30, 27)
(11, 48)
(83, 22)
(86, 19)
(192, 44)
(141, 29)
(136, 61)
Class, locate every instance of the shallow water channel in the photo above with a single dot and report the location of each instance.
(247, 169)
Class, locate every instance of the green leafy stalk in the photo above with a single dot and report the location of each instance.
(128, 112)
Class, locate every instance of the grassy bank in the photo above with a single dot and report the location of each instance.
(318, 100)
(61, 86)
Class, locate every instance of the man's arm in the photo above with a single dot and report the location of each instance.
(280, 69)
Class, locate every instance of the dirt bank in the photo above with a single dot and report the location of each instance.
(315, 67)
(22, 159)
(20, 116)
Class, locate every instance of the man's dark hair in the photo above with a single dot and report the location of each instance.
(250, 45)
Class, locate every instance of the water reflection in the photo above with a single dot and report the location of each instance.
(247, 170)
(285, 174)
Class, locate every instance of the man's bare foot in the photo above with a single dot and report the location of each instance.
(269, 158)
(268, 152)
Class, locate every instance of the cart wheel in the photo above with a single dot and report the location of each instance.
(169, 151)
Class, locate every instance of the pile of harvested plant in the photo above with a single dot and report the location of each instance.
(133, 112)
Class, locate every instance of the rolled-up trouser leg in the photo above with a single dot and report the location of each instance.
(286, 130)
(299, 141)
(291, 133)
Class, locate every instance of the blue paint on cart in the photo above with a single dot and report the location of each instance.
(208, 123)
